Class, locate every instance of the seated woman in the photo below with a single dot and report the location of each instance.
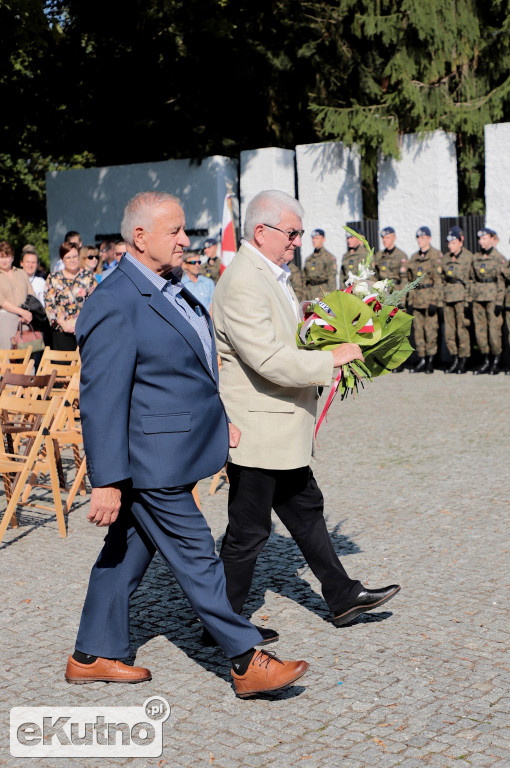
(66, 292)
(14, 289)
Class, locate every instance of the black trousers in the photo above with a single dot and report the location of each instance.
(297, 500)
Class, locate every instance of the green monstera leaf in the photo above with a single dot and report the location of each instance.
(344, 316)
(393, 348)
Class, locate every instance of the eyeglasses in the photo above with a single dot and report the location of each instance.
(94, 256)
(194, 262)
(292, 234)
(104, 250)
(118, 254)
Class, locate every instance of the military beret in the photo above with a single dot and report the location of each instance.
(424, 231)
(319, 232)
(209, 242)
(387, 231)
(455, 233)
(358, 232)
(486, 231)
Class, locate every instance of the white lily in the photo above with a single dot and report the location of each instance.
(381, 286)
(361, 288)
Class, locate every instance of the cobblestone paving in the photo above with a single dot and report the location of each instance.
(415, 475)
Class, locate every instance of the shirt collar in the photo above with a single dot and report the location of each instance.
(157, 280)
(281, 273)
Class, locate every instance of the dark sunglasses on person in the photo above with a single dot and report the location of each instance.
(94, 256)
(194, 262)
(291, 233)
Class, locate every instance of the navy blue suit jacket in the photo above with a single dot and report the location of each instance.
(150, 405)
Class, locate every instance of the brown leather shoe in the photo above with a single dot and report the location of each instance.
(105, 671)
(266, 672)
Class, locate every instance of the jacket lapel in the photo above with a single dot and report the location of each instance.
(271, 280)
(160, 304)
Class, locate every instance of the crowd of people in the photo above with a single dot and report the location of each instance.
(59, 295)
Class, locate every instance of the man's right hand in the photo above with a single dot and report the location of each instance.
(104, 505)
(344, 353)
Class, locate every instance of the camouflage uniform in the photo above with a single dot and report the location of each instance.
(424, 299)
(211, 270)
(506, 277)
(351, 261)
(391, 264)
(319, 273)
(296, 281)
(487, 291)
(455, 294)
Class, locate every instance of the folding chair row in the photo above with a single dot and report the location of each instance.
(20, 429)
(21, 465)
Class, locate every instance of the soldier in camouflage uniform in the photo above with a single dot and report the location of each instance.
(351, 260)
(487, 291)
(211, 266)
(506, 277)
(319, 272)
(424, 300)
(455, 290)
(296, 280)
(391, 262)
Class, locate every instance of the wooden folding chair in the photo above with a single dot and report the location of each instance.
(15, 355)
(221, 475)
(23, 368)
(59, 357)
(65, 432)
(22, 465)
(31, 387)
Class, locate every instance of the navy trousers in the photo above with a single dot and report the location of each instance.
(169, 521)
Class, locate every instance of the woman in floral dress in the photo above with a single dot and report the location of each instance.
(67, 290)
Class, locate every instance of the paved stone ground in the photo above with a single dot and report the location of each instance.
(415, 475)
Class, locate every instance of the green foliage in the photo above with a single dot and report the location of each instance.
(19, 233)
(422, 67)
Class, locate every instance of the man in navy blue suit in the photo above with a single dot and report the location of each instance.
(154, 424)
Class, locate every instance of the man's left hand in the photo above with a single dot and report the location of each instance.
(104, 505)
(234, 435)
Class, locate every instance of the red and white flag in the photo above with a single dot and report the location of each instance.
(228, 235)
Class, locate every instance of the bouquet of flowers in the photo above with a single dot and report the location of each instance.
(365, 313)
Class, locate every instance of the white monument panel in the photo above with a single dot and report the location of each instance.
(497, 183)
(329, 189)
(418, 189)
(266, 168)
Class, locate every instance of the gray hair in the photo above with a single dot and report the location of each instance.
(268, 207)
(140, 211)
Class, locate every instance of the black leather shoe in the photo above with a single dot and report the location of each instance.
(484, 367)
(367, 600)
(453, 366)
(495, 366)
(462, 365)
(430, 364)
(268, 635)
(420, 366)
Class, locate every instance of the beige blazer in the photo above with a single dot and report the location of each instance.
(268, 385)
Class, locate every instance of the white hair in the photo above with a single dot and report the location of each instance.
(268, 207)
(140, 211)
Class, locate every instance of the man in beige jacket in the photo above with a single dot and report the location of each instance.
(269, 388)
